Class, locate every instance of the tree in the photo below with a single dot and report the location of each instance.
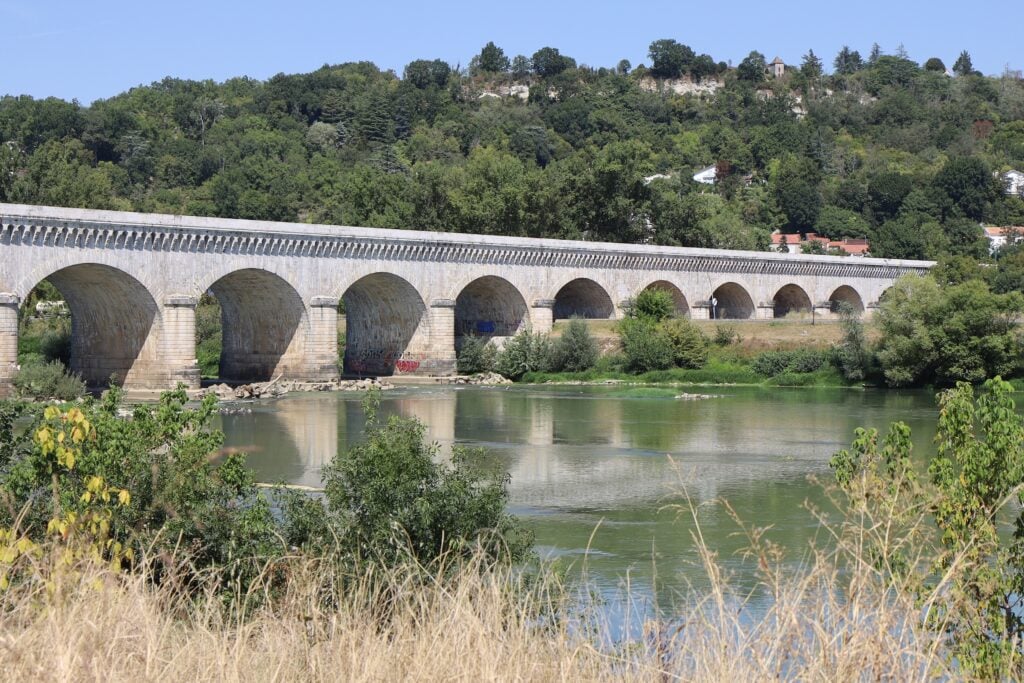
(886, 193)
(940, 336)
(753, 68)
(963, 65)
(521, 67)
(689, 345)
(935, 64)
(811, 66)
(847, 62)
(969, 184)
(387, 501)
(644, 345)
(623, 67)
(838, 223)
(875, 55)
(424, 73)
(652, 303)
(492, 59)
(795, 187)
(669, 58)
(946, 535)
(576, 350)
(548, 62)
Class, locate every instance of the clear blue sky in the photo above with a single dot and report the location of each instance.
(92, 50)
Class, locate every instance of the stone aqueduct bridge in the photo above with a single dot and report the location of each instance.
(132, 282)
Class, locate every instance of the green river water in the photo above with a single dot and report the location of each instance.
(601, 467)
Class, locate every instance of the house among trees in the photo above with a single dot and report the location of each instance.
(812, 243)
(999, 236)
(706, 175)
(777, 67)
(1013, 180)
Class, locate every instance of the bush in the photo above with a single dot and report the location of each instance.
(801, 361)
(208, 336)
(726, 335)
(645, 346)
(179, 499)
(48, 380)
(523, 353)
(851, 356)
(576, 350)
(388, 500)
(689, 344)
(936, 335)
(654, 304)
(476, 355)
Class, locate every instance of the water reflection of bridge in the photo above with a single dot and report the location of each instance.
(570, 448)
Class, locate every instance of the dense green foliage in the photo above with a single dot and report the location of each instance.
(477, 355)
(882, 147)
(48, 380)
(575, 351)
(523, 353)
(386, 500)
(945, 535)
(942, 335)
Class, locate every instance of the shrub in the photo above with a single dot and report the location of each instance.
(851, 356)
(644, 345)
(388, 500)
(772, 363)
(655, 304)
(523, 353)
(945, 536)
(726, 335)
(179, 497)
(476, 355)
(689, 344)
(576, 350)
(936, 335)
(48, 380)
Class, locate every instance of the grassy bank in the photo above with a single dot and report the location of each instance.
(474, 624)
(725, 366)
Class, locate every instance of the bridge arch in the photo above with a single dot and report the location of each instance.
(385, 325)
(583, 298)
(115, 323)
(734, 302)
(791, 299)
(490, 307)
(682, 306)
(846, 294)
(263, 325)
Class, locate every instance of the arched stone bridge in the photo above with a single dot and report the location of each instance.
(132, 282)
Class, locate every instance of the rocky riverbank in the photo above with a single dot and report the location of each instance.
(276, 388)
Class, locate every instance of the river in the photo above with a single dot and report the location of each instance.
(597, 471)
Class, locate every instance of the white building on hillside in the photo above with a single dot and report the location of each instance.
(706, 175)
(1014, 182)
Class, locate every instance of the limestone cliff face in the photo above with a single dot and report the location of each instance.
(681, 86)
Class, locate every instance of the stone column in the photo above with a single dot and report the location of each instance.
(700, 311)
(765, 310)
(440, 359)
(179, 341)
(542, 314)
(823, 311)
(9, 304)
(322, 351)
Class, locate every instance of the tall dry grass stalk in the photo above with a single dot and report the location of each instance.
(820, 625)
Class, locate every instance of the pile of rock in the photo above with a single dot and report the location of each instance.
(278, 387)
(481, 378)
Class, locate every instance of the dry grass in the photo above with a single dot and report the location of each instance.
(820, 625)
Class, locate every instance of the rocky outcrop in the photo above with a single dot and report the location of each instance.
(277, 388)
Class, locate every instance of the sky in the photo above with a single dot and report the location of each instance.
(94, 50)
